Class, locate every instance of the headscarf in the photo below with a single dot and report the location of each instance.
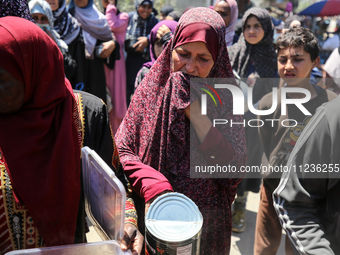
(93, 23)
(230, 29)
(39, 142)
(261, 54)
(18, 8)
(176, 15)
(139, 2)
(171, 24)
(155, 125)
(139, 27)
(46, 10)
(166, 10)
(65, 24)
(45, 7)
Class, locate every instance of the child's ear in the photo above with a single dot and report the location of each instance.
(316, 62)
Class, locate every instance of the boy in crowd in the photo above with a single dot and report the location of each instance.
(298, 54)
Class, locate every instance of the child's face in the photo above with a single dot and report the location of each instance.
(295, 65)
(253, 31)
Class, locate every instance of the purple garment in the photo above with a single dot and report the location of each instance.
(171, 24)
(18, 8)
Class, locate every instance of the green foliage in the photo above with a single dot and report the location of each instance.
(126, 5)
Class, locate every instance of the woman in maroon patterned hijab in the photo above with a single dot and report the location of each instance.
(154, 137)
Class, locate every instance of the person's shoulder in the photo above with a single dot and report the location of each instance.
(330, 111)
(90, 102)
(131, 14)
(153, 19)
(331, 95)
(333, 103)
(334, 56)
(267, 100)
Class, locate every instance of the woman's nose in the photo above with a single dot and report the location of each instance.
(190, 66)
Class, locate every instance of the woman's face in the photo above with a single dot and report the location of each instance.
(192, 58)
(54, 4)
(12, 93)
(81, 3)
(253, 31)
(223, 9)
(144, 10)
(40, 18)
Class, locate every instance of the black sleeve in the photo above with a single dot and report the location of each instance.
(115, 55)
(165, 39)
(70, 65)
(98, 135)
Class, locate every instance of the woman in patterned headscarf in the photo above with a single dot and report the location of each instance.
(154, 137)
(64, 23)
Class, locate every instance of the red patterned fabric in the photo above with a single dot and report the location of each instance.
(154, 139)
(206, 34)
(39, 142)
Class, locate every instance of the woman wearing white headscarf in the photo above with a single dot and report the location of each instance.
(39, 10)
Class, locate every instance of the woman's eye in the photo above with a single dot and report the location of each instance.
(183, 55)
(204, 59)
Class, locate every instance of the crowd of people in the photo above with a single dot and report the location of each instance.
(125, 84)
